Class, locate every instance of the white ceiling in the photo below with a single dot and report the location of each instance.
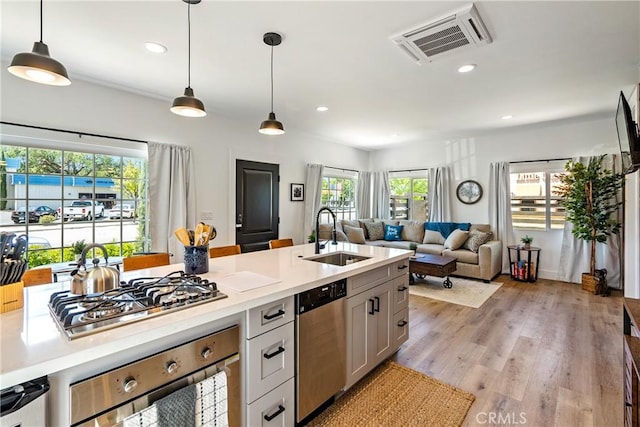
(548, 61)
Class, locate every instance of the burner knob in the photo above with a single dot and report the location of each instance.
(206, 353)
(129, 385)
(172, 367)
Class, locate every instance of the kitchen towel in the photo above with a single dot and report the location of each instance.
(244, 281)
(211, 401)
(175, 410)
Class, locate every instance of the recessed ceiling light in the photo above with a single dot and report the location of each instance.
(466, 68)
(322, 108)
(155, 47)
(507, 117)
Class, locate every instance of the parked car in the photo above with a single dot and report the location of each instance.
(35, 213)
(122, 211)
(82, 209)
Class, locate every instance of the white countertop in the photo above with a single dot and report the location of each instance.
(32, 345)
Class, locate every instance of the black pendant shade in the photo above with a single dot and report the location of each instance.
(37, 66)
(271, 126)
(188, 105)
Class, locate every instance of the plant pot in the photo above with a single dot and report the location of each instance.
(589, 283)
(77, 257)
(527, 245)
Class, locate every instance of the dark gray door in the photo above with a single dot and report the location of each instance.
(257, 198)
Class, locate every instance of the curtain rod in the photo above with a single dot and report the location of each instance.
(541, 160)
(74, 132)
(410, 170)
(341, 169)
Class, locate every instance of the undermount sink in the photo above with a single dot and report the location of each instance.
(338, 258)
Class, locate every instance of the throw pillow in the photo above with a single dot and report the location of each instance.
(446, 228)
(354, 234)
(361, 223)
(392, 232)
(456, 239)
(375, 230)
(433, 237)
(413, 231)
(326, 232)
(475, 239)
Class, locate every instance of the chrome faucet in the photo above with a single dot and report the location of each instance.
(335, 242)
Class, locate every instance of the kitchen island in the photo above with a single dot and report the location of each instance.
(32, 344)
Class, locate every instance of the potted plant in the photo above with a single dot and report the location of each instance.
(413, 247)
(78, 247)
(589, 197)
(527, 241)
(311, 238)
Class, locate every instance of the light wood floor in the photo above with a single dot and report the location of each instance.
(535, 354)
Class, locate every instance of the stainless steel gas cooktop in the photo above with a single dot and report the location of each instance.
(138, 299)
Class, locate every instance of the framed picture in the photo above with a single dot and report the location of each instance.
(297, 192)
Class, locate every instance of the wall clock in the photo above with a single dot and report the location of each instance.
(469, 192)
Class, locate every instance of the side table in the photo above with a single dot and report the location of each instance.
(523, 268)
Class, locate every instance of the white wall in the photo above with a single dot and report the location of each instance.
(216, 141)
(470, 157)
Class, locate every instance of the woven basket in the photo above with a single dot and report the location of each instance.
(589, 283)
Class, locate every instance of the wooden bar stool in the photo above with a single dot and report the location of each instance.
(136, 262)
(224, 251)
(37, 276)
(280, 243)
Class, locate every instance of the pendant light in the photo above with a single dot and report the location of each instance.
(271, 126)
(37, 66)
(188, 105)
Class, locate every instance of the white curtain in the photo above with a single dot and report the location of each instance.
(363, 195)
(172, 196)
(575, 253)
(381, 195)
(439, 195)
(500, 208)
(313, 197)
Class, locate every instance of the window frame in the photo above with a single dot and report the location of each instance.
(411, 175)
(329, 173)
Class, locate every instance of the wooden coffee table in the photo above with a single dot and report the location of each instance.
(432, 265)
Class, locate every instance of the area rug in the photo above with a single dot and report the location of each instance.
(393, 395)
(471, 293)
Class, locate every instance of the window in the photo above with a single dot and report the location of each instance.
(533, 203)
(58, 197)
(408, 195)
(339, 192)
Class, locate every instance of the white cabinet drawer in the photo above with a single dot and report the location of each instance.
(274, 409)
(400, 328)
(269, 316)
(270, 359)
(400, 293)
(368, 280)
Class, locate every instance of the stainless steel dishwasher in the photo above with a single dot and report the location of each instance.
(320, 347)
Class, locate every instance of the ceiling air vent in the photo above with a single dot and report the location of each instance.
(462, 29)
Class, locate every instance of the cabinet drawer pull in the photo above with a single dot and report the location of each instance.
(275, 414)
(402, 289)
(275, 353)
(377, 309)
(402, 323)
(402, 267)
(371, 311)
(274, 315)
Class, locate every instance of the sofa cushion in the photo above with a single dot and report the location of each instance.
(362, 223)
(396, 244)
(412, 231)
(430, 248)
(392, 232)
(485, 228)
(387, 221)
(354, 234)
(375, 230)
(446, 228)
(475, 239)
(433, 237)
(324, 230)
(462, 255)
(350, 223)
(380, 243)
(456, 239)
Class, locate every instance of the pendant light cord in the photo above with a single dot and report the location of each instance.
(189, 44)
(41, 21)
(272, 78)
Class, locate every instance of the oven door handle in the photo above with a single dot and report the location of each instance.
(275, 414)
(275, 353)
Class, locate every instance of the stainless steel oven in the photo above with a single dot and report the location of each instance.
(199, 379)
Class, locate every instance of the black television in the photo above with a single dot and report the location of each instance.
(628, 137)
